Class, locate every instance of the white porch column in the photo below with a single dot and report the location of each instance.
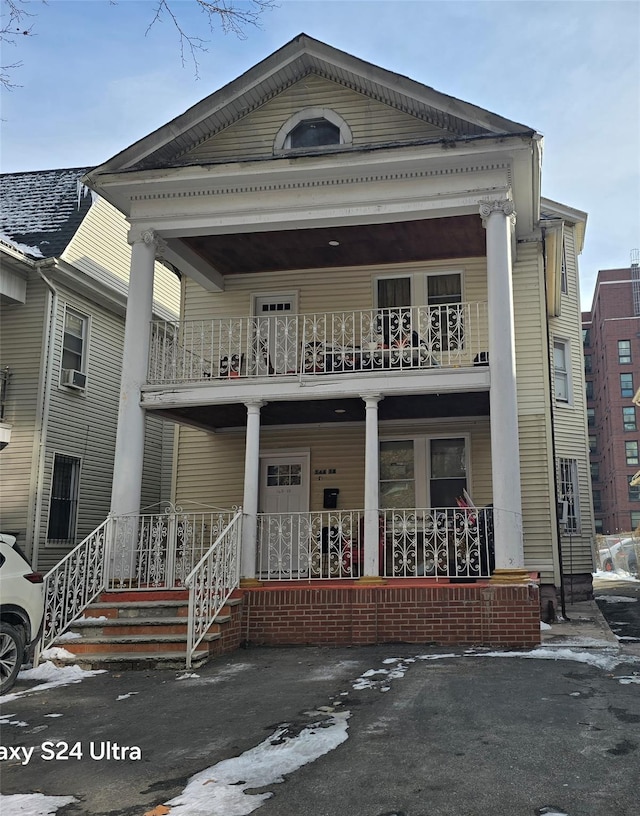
(371, 566)
(498, 217)
(129, 453)
(250, 501)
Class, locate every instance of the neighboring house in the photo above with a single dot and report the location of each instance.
(63, 291)
(611, 332)
(378, 356)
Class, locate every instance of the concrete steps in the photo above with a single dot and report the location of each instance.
(144, 630)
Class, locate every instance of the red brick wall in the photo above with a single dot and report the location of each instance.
(478, 614)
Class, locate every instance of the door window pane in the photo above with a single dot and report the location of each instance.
(448, 471)
(397, 475)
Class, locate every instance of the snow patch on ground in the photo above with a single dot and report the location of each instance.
(126, 696)
(5, 719)
(616, 576)
(615, 599)
(52, 676)
(32, 804)
(221, 788)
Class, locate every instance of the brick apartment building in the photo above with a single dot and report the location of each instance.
(611, 335)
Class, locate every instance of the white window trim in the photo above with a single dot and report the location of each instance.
(55, 543)
(422, 463)
(280, 141)
(568, 403)
(86, 334)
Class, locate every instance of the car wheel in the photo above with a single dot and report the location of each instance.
(11, 655)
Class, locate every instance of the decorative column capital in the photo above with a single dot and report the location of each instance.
(503, 205)
(254, 406)
(371, 399)
(149, 237)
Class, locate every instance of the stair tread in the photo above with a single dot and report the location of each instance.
(96, 622)
(159, 638)
(128, 657)
(136, 604)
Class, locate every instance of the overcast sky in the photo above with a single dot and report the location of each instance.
(94, 80)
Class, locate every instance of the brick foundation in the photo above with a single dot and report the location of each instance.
(470, 614)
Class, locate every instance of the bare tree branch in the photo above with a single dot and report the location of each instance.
(13, 26)
(231, 17)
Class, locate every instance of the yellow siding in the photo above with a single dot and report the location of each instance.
(570, 421)
(536, 449)
(21, 337)
(100, 249)
(325, 290)
(211, 466)
(371, 122)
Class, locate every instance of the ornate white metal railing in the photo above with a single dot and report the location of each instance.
(73, 584)
(314, 545)
(159, 550)
(211, 582)
(449, 542)
(412, 337)
(445, 542)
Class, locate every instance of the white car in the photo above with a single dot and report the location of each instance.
(21, 609)
(620, 554)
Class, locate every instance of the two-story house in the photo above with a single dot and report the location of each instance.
(63, 290)
(377, 363)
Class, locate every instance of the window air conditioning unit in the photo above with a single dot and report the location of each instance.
(73, 379)
(563, 512)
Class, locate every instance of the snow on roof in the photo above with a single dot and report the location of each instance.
(41, 210)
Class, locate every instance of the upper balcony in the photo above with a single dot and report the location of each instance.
(283, 345)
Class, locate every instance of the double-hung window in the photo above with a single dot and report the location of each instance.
(561, 370)
(631, 453)
(568, 487)
(74, 349)
(624, 351)
(63, 504)
(629, 418)
(626, 385)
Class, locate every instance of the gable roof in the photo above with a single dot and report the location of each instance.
(302, 56)
(40, 211)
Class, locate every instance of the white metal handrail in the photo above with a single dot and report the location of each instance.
(282, 344)
(73, 584)
(211, 582)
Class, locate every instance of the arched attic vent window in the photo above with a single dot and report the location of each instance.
(312, 128)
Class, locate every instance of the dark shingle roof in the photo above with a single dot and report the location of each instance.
(40, 211)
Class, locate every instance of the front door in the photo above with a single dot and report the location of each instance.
(284, 496)
(276, 330)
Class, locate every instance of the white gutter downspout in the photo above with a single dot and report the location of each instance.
(42, 414)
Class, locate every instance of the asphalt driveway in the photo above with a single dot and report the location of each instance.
(424, 733)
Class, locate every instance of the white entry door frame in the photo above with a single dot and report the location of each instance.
(284, 499)
(276, 327)
(284, 481)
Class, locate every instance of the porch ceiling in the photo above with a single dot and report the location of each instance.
(311, 412)
(363, 245)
